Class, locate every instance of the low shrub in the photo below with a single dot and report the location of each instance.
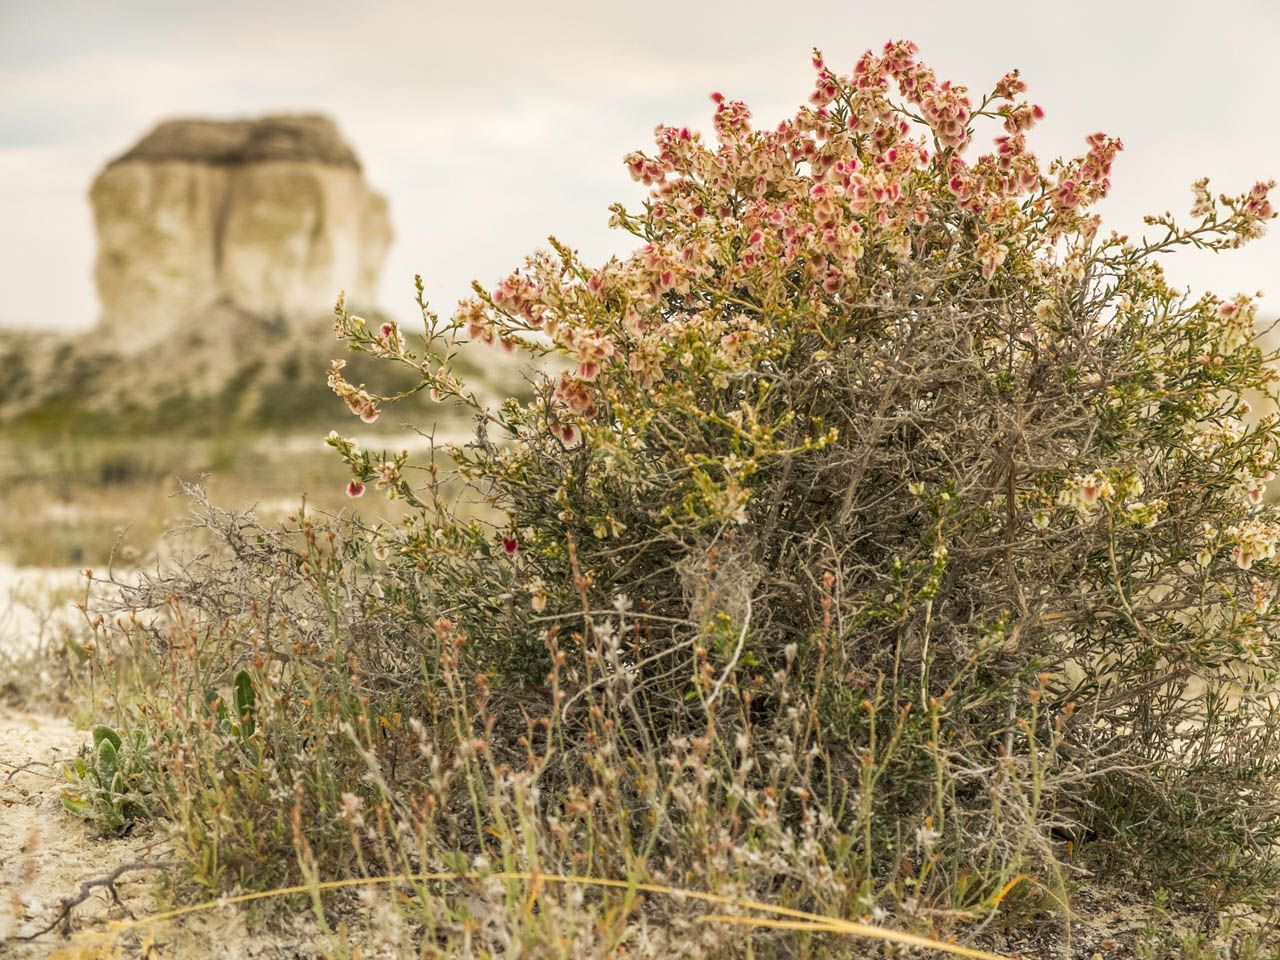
(893, 544)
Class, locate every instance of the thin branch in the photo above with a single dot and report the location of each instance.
(107, 880)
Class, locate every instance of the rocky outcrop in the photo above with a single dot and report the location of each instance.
(269, 216)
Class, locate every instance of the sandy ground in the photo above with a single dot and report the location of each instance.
(36, 605)
(46, 853)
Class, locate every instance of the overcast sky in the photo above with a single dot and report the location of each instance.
(491, 125)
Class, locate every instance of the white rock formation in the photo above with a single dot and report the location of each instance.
(271, 216)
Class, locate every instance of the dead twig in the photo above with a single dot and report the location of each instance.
(107, 880)
(19, 768)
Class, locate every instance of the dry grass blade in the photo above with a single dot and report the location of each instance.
(853, 929)
(797, 919)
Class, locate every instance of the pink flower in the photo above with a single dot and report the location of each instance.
(990, 255)
(385, 331)
(355, 489)
(369, 413)
(510, 544)
(1009, 85)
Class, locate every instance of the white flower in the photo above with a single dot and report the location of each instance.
(537, 595)
(1086, 490)
(1261, 601)
(926, 836)
(351, 807)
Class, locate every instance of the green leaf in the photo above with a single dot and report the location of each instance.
(245, 701)
(102, 732)
(217, 705)
(107, 762)
(74, 803)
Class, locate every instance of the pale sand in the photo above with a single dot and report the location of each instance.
(36, 606)
(46, 853)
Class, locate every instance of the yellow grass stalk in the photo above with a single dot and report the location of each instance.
(794, 919)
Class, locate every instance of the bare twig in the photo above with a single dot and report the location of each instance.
(107, 880)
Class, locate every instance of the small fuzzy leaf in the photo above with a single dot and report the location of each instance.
(107, 762)
(102, 732)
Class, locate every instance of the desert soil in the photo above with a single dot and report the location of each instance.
(46, 854)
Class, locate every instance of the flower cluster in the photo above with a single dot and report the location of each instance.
(1235, 323)
(1253, 541)
(1256, 207)
(1251, 487)
(1087, 179)
(746, 216)
(1084, 491)
(358, 400)
(1145, 514)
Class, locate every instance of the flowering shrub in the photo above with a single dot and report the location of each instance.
(886, 539)
(905, 419)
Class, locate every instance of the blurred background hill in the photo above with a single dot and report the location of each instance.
(222, 246)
